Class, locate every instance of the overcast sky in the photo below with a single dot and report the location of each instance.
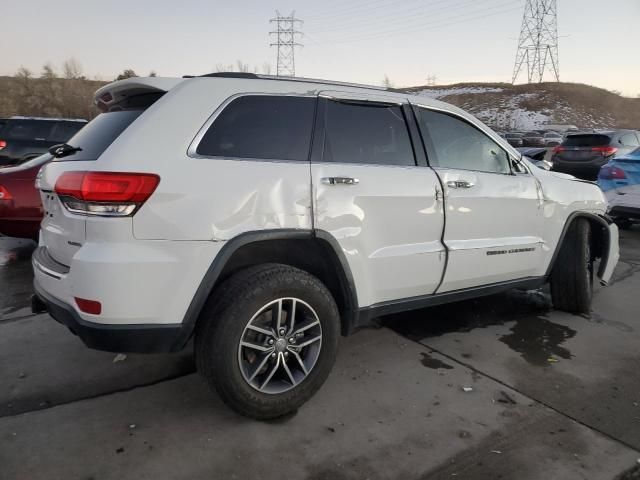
(359, 41)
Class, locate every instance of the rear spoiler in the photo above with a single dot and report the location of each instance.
(114, 93)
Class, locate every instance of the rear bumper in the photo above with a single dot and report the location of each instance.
(153, 338)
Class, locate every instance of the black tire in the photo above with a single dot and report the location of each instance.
(222, 326)
(623, 223)
(571, 280)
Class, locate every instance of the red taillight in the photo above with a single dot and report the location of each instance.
(557, 149)
(4, 194)
(3, 143)
(612, 173)
(605, 151)
(88, 306)
(105, 193)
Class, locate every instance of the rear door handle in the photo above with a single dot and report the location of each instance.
(459, 184)
(339, 181)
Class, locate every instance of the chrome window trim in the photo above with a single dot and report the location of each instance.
(193, 146)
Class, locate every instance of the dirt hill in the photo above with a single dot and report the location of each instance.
(501, 105)
(506, 106)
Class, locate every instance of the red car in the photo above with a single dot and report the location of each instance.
(20, 206)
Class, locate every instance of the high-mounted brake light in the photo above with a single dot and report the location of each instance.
(605, 151)
(111, 194)
(3, 143)
(4, 194)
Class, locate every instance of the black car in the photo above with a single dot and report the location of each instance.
(514, 139)
(582, 154)
(532, 139)
(24, 138)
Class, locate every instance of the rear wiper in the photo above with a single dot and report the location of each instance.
(63, 149)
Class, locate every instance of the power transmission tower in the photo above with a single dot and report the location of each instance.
(538, 42)
(286, 42)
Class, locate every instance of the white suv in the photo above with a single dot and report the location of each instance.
(267, 216)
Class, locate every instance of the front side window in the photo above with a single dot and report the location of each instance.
(262, 127)
(366, 133)
(457, 144)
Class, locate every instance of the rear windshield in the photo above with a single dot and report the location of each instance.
(99, 133)
(513, 135)
(586, 140)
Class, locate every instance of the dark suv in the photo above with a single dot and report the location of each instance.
(582, 154)
(24, 138)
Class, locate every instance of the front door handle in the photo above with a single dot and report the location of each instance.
(340, 181)
(459, 184)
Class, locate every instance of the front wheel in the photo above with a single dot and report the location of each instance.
(268, 340)
(571, 279)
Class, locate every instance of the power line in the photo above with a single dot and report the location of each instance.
(441, 23)
(286, 36)
(391, 17)
(538, 42)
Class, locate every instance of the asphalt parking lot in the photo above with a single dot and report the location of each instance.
(501, 387)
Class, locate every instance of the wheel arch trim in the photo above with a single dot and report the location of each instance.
(602, 220)
(210, 279)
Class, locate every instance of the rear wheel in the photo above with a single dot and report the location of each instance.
(571, 280)
(268, 341)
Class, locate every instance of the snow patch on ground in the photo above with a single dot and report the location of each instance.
(445, 92)
(513, 119)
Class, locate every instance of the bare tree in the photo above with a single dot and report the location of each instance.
(48, 71)
(126, 73)
(242, 67)
(24, 73)
(71, 68)
(386, 82)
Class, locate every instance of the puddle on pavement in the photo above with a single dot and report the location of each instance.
(538, 340)
(468, 315)
(533, 336)
(428, 361)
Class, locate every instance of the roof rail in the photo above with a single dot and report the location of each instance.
(287, 79)
(52, 119)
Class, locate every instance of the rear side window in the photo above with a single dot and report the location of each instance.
(586, 140)
(459, 145)
(262, 127)
(99, 133)
(366, 133)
